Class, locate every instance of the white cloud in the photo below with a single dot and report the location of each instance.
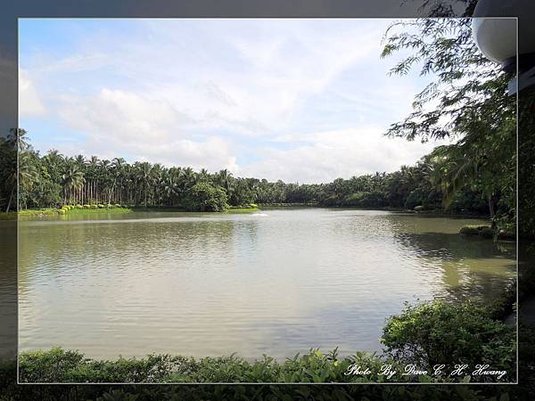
(210, 93)
(29, 102)
(119, 122)
(328, 155)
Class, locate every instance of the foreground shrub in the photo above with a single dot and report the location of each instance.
(58, 365)
(441, 333)
(49, 366)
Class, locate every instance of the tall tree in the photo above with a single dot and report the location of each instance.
(467, 100)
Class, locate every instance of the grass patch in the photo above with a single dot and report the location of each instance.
(482, 230)
(8, 215)
(115, 210)
(238, 210)
(38, 212)
(289, 205)
(249, 208)
(72, 210)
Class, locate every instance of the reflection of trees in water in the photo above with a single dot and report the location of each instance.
(79, 245)
(479, 285)
(471, 267)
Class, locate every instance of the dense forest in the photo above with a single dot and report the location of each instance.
(52, 180)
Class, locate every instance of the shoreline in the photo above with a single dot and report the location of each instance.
(115, 209)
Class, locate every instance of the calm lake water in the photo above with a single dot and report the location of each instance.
(276, 282)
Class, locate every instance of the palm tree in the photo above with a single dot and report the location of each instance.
(203, 175)
(91, 186)
(145, 177)
(17, 137)
(72, 180)
(117, 165)
(223, 179)
(27, 174)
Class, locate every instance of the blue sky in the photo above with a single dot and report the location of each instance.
(292, 99)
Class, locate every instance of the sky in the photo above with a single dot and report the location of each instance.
(302, 100)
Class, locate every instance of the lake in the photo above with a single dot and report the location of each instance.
(278, 281)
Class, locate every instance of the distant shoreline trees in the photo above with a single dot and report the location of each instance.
(53, 179)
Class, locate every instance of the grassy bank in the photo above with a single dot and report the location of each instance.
(288, 205)
(8, 215)
(74, 210)
(487, 231)
(250, 208)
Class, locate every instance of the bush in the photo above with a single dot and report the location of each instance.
(365, 199)
(203, 197)
(57, 365)
(48, 366)
(442, 333)
(416, 197)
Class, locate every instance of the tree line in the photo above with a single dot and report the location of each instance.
(53, 179)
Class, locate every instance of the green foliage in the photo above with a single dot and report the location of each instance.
(471, 105)
(49, 366)
(442, 333)
(204, 197)
(417, 197)
(365, 199)
(53, 179)
(57, 365)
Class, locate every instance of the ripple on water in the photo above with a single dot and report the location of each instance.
(217, 284)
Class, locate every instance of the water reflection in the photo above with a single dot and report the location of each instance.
(213, 284)
(471, 266)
